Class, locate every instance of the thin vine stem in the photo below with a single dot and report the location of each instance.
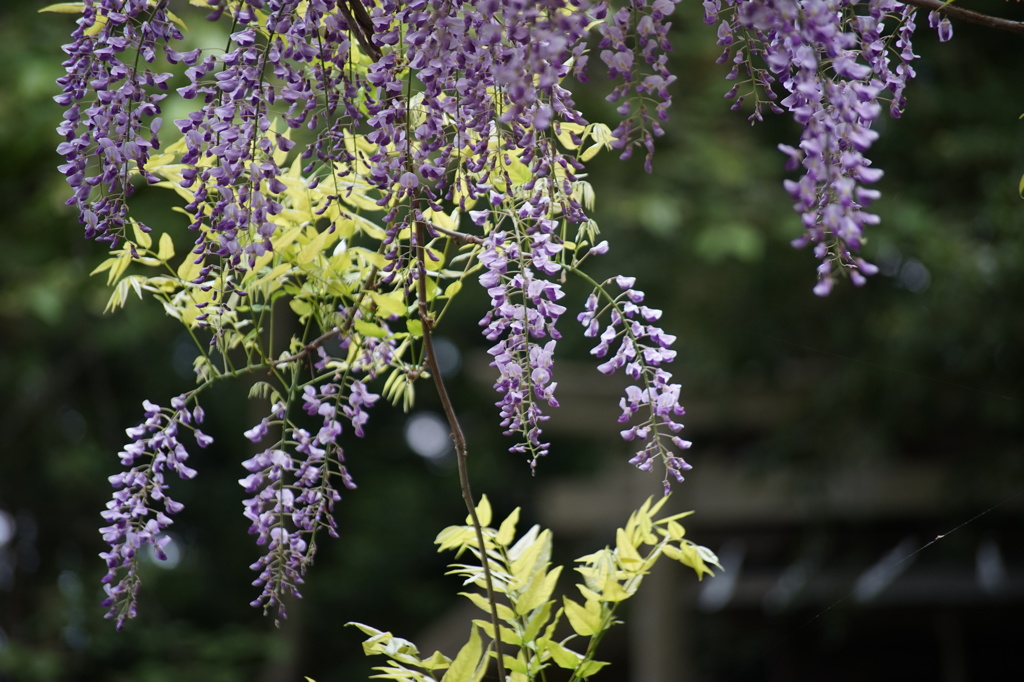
(954, 12)
(461, 452)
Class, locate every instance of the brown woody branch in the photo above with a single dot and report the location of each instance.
(954, 12)
(461, 450)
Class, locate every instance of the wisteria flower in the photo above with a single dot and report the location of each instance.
(140, 511)
(631, 343)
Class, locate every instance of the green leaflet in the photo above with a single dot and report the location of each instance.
(525, 584)
(470, 663)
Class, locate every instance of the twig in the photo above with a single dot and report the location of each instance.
(458, 436)
(361, 25)
(460, 237)
(337, 331)
(954, 12)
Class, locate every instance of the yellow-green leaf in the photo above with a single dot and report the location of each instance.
(507, 530)
(300, 308)
(177, 21)
(675, 530)
(389, 304)
(590, 668)
(628, 556)
(189, 268)
(65, 8)
(563, 657)
(536, 621)
(507, 634)
(437, 661)
(538, 592)
(585, 620)
(590, 152)
(480, 601)
(369, 329)
(564, 137)
(142, 238)
(467, 664)
(483, 513)
(453, 537)
(455, 287)
(613, 591)
(166, 251)
(314, 248)
(101, 21)
(415, 328)
(518, 171)
(532, 559)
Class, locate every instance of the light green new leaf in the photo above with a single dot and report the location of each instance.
(437, 661)
(688, 555)
(675, 530)
(483, 513)
(415, 328)
(532, 559)
(627, 554)
(527, 540)
(508, 635)
(166, 251)
(389, 304)
(454, 537)
(480, 601)
(539, 591)
(452, 289)
(590, 668)
(142, 237)
(613, 591)
(300, 308)
(586, 621)
(516, 665)
(563, 657)
(591, 151)
(399, 673)
(65, 8)
(469, 665)
(536, 621)
(369, 329)
(507, 530)
(189, 268)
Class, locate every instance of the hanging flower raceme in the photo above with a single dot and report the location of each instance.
(112, 98)
(634, 45)
(523, 318)
(835, 62)
(633, 344)
(294, 495)
(139, 513)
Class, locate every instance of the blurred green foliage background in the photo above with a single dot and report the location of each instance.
(920, 371)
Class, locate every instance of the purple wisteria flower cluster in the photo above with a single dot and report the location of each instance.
(634, 41)
(632, 343)
(834, 61)
(139, 512)
(112, 117)
(293, 495)
(523, 321)
(467, 67)
(419, 108)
